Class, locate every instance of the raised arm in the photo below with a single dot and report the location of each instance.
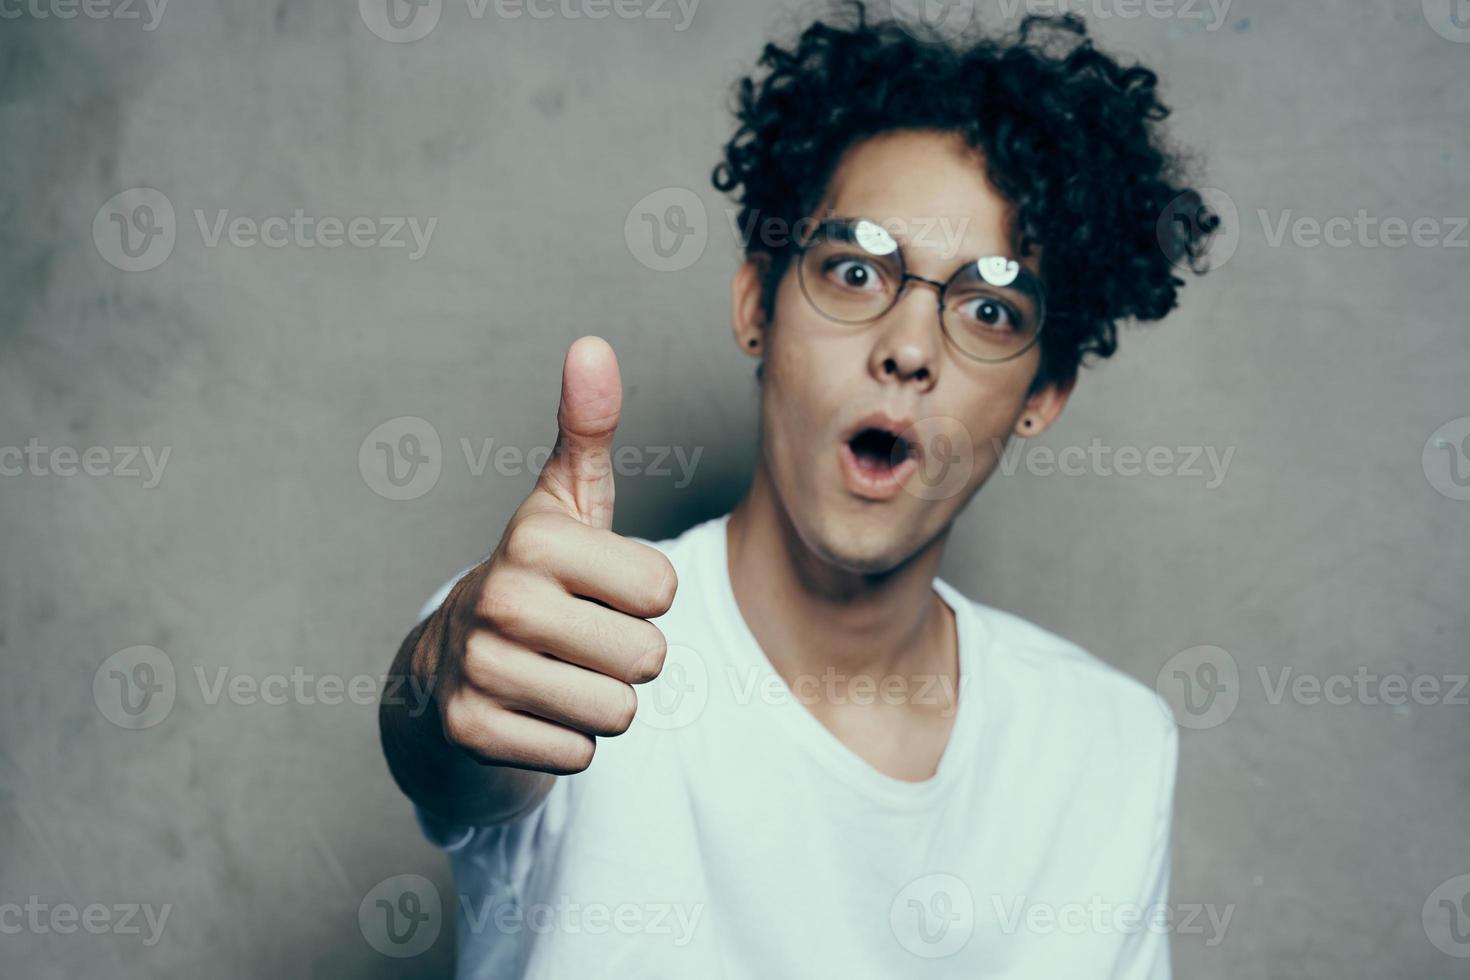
(533, 654)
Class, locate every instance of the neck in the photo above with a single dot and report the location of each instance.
(810, 615)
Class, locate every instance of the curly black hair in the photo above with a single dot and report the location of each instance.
(1068, 135)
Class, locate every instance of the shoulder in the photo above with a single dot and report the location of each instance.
(1084, 728)
(1073, 689)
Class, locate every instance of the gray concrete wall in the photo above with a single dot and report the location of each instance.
(1335, 544)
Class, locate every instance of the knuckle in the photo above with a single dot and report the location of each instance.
(528, 541)
(502, 603)
(662, 586)
(576, 756)
(481, 660)
(625, 711)
(466, 725)
(608, 712)
(649, 654)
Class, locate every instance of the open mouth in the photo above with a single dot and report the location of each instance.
(878, 450)
(876, 458)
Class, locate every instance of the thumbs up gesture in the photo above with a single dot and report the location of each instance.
(539, 646)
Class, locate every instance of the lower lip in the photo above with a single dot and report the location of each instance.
(874, 484)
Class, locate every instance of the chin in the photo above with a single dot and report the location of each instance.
(864, 545)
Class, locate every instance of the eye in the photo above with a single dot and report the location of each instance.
(854, 273)
(989, 313)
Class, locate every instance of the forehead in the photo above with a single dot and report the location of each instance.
(929, 188)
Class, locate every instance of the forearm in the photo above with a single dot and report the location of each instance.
(439, 776)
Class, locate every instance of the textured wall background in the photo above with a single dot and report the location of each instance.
(1335, 543)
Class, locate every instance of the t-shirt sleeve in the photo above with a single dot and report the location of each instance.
(437, 599)
(450, 836)
(499, 860)
(1145, 954)
(501, 854)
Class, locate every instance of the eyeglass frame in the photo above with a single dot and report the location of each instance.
(801, 246)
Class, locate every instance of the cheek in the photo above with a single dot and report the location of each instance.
(985, 399)
(991, 410)
(794, 406)
(991, 395)
(807, 359)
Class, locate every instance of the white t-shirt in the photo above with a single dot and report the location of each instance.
(729, 835)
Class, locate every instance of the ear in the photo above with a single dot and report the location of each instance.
(1043, 407)
(747, 314)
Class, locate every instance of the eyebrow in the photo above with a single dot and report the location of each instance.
(848, 222)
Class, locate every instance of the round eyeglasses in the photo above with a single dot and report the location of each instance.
(853, 271)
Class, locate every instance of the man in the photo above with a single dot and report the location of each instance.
(844, 768)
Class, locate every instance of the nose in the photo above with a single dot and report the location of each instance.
(906, 347)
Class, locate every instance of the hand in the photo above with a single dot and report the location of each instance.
(536, 650)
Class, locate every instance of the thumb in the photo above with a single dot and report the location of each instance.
(579, 473)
